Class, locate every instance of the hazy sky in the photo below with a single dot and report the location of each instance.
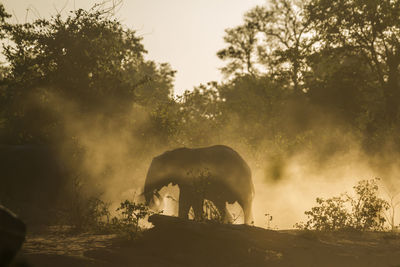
(185, 33)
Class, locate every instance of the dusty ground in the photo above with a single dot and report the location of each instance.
(173, 242)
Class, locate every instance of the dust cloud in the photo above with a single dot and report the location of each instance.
(110, 153)
(106, 152)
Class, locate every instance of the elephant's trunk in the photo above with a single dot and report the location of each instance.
(154, 182)
(148, 193)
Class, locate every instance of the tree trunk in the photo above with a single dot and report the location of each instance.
(392, 90)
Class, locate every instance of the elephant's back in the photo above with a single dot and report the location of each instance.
(225, 157)
(227, 166)
(228, 171)
(216, 159)
(218, 155)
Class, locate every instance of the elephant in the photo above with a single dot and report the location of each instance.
(227, 179)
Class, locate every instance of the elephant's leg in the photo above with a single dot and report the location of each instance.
(184, 202)
(228, 217)
(158, 202)
(198, 209)
(223, 211)
(248, 216)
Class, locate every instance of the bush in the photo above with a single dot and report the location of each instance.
(330, 214)
(362, 212)
(93, 215)
(201, 183)
(129, 222)
(82, 212)
(85, 214)
(368, 208)
(211, 212)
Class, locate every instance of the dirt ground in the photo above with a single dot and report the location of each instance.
(174, 242)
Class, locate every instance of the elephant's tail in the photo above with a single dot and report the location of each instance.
(253, 192)
(250, 179)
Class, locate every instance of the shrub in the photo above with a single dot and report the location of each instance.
(85, 214)
(211, 213)
(129, 222)
(330, 214)
(201, 183)
(368, 208)
(362, 212)
(82, 212)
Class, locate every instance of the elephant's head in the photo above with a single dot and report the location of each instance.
(158, 176)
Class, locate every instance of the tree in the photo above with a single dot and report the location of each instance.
(341, 58)
(3, 16)
(241, 50)
(367, 207)
(251, 108)
(88, 61)
(369, 28)
(87, 58)
(273, 40)
(340, 83)
(394, 202)
(200, 117)
(285, 38)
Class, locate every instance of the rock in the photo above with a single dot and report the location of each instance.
(163, 220)
(12, 235)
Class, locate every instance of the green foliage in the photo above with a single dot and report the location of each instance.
(241, 51)
(3, 16)
(86, 56)
(89, 213)
(129, 224)
(273, 38)
(250, 107)
(92, 214)
(302, 77)
(368, 208)
(331, 214)
(340, 59)
(201, 185)
(211, 212)
(343, 85)
(199, 117)
(82, 212)
(362, 212)
(289, 63)
(87, 62)
(370, 29)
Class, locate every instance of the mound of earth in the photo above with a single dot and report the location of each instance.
(176, 242)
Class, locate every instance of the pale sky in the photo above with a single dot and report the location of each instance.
(185, 33)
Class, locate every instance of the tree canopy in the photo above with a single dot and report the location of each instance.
(88, 59)
(296, 72)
